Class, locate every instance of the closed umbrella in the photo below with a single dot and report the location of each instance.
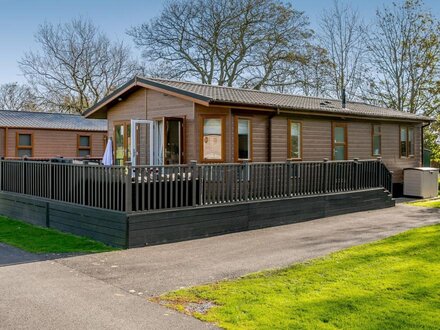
(107, 159)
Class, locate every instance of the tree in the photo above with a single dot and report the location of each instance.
(342, 34)
(308, 75)
(76, 66)
(17, 97)
(224, 42)
(405, 51)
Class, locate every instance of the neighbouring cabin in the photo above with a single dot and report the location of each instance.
(212, 124)
(40, 135)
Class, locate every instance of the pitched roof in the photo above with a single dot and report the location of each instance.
(26, 119)
(221, 95)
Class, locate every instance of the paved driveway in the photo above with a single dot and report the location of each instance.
(109, 290)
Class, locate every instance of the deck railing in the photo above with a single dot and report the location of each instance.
(145, 188)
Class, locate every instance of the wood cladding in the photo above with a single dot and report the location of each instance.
(51, 143)
(269, 131)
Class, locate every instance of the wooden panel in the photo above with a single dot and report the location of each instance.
(23, 208)
(279, 139)
(390, 150)
(103, 225)
(133, 107)
(359, 140)
(260, 125)
(54, 143)
(2, 142)
(316, 140)
(177, 225)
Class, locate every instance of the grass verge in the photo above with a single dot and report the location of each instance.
(44, 240)
(390, 284)
(435, 203)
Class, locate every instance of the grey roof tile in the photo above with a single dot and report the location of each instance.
(249, 97)
(25, 119)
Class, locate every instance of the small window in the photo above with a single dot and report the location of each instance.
(84, 145)
(406, 141)
(212, 139)
(339, 141)
(24, 145)
(295, 142)
(243, 139)
(376, 140)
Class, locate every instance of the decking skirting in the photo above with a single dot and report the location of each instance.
(127, 230)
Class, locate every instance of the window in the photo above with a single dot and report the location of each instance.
(295, 143)
(243, 139)
(24, 145)
(212, 136)
(376, 135)
(84, 146)
(406, 141)
(339, 141)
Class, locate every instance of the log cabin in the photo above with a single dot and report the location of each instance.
(41, 135)
(215, 124)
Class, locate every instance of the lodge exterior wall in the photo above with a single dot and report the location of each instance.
(49, 143)
(269, 131)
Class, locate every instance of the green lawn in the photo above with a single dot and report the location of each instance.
(427, 203)
(43, 240)
(390, 284)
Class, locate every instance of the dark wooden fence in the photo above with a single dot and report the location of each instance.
(145, 188)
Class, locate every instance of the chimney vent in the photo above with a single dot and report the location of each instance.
(344, 103)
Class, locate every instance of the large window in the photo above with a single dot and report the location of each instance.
(84, 145)
(406, 141)
(339, 141)
(243, 139)
(24, 145)
(295, 140)
(376, 136)
(212, 139)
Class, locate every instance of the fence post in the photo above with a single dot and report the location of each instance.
(390, 176)
(83, 191)
(50, 179)
(356, 173)
(289, 177)
(23, 175)
(1, 173)
(325, 176)
(245, 180)
(128, 190)
(379, 172)
(193, 169)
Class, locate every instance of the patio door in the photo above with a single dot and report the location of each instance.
(143, 134)
(173, 140)
(122, 138)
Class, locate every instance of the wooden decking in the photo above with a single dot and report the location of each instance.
(130, 206)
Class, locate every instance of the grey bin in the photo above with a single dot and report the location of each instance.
(420, 182)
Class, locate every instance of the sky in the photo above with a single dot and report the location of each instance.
(19, 20)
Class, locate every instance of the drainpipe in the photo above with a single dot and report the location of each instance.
(269, 134)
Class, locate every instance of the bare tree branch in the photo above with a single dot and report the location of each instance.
(76, 66)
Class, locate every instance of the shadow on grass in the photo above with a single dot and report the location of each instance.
(10, 255)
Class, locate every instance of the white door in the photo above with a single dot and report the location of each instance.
(143, 136)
